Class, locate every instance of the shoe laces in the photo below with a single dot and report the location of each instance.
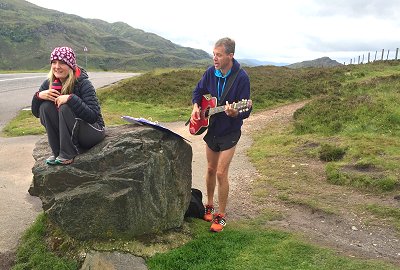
(209, 209)
(219, 219)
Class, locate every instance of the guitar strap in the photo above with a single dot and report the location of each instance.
(231, 79)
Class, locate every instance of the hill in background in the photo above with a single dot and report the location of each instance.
(255, 63)
(320, 62)
(29, 33)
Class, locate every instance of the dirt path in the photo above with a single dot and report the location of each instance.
(18, 208)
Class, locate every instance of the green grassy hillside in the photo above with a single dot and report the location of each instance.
(28, 33)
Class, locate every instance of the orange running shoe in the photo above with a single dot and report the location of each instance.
(208, 213)
(218, 223)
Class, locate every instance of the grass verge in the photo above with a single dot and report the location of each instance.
(242, 245)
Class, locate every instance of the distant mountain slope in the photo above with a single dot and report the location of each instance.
(320, 62)
(28, 33)
(255, 63)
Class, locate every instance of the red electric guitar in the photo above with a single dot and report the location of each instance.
(209, 107)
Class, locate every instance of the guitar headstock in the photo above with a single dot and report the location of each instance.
(244, 105)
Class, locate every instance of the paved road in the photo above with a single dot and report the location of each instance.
(16, 90)
(17, 208)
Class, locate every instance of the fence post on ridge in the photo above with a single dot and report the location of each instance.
(368, 56)
(397, 52)
(383, 51)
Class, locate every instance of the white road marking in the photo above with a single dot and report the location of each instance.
(14, 79)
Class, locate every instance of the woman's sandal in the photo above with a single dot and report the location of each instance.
(63, 161)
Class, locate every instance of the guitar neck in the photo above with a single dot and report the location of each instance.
(221, 108)
(216, 110)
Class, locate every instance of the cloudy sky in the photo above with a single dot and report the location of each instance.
(281, 31)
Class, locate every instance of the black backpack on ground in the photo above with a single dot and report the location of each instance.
(196, 207)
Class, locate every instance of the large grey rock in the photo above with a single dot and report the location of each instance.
(136, 181)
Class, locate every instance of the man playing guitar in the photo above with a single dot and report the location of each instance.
(224, 129)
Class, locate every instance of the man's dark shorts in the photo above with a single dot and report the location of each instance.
(218, 144)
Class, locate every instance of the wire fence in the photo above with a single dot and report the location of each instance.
(377, 56)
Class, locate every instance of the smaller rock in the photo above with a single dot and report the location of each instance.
(113, 260)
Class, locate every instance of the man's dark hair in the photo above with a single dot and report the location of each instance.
(228, 43)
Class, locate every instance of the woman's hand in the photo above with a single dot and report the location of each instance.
(49, 94)
(60, 100)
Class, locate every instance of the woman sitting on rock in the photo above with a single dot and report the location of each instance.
(72, 115)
